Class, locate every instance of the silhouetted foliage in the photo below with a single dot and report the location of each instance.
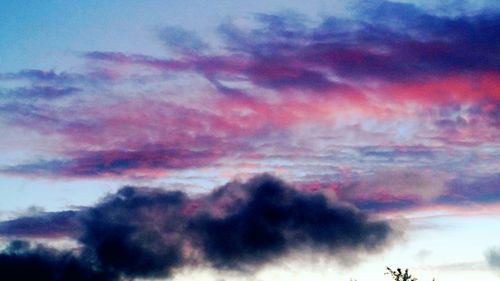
(400, 275)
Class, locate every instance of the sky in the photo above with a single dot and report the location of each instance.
(249, 140)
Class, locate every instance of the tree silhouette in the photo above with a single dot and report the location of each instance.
(399, 275)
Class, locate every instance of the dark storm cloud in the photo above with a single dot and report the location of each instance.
(137, 233)
(274, 218)
(20, 261)
(147, 233)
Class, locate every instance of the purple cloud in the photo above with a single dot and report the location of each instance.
(41, 92)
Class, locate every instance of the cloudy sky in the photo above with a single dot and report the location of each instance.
(249, 140)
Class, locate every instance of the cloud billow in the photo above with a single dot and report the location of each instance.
(149, 233)
(275, 218)
(20, 262)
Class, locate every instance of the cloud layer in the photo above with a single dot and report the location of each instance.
(392, 108)
(392, 75)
